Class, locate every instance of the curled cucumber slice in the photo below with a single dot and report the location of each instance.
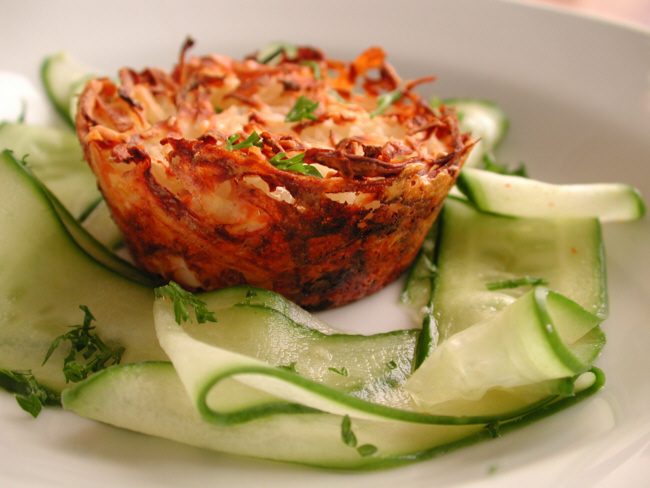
(150, 398)
(541, 336)
(485, 120)
(64, 78)
(56, 158)
(524, 197)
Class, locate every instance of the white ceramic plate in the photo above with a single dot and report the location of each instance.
(577, 93)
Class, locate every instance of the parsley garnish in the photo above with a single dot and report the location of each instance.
(250, 294)
(343, 371)
(280, 160)
(295, 163)
(366, 450)
(350, 440)
(183, 299)
(315, 67)
(302, 109)
(96, 355)
(29, 393)
(250, 141)
(337, 95)
(291, 367)
(385, 101)
(391, 364)
(515, 283)
(269, 53)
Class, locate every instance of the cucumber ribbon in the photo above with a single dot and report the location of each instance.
(541, 337)
(523, 197)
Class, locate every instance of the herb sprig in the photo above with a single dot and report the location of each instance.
(252, 140)
(183, 299)
(350, 439)
(93, 353)
(386, 100)
(29, 393)
(343, 371)
(291, 367)
(315, 67)
(270, 54)
(303, 109)
(281, 161)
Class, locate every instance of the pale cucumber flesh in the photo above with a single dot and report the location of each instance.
(69, 279)
(344, 373)
(100, 224)
(478, 248)
(485, 120)
(64, 78)
(524, 197)
(55, 157)
(44, 284)
(150, 398)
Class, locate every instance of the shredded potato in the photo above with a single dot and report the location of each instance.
(195, 210)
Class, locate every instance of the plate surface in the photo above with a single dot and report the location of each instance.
(577, 94)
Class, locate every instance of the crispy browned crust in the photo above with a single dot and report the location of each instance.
(194, 212)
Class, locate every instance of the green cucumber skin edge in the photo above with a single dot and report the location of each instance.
(460, 444)
(74, 394)
(19, 168)
(62, 110)
(382, 411)
(84, 240)
(503, 121)
(546, 326)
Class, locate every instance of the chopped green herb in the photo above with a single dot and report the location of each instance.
(250, 294)
(31, 404)
(526, 280)
(183, 299)
(343, 371)
(315, 67)
(295, 163)
(270, 54)
(303, 109)
(338, 96)
(391, 364)
(385, 101)
(291, 367)
(281, 161)
(29, 393)
(83, 343)
(250, 141)
(367, 450)
(349, 439)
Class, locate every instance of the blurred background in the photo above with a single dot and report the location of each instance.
(635, 12)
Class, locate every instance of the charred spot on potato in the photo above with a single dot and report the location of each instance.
(213, 185)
